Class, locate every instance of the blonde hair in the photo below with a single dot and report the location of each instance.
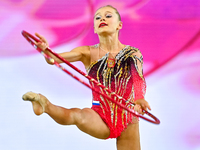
(116, 11)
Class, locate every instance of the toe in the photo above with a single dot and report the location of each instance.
(28, 96)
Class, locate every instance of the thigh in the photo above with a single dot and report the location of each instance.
(129, 138)
(91, 123)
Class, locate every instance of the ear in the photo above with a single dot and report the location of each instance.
(120, 25)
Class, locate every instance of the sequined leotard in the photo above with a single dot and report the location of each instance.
(125, 79)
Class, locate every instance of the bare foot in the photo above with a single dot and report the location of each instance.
(38, 101)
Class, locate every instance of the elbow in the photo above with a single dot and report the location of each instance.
(50, 62)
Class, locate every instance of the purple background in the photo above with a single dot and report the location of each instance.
(166, 32)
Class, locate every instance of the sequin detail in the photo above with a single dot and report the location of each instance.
(125, 79)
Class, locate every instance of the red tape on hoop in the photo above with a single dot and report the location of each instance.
(31, 39)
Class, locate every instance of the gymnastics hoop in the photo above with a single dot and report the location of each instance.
(31, 39)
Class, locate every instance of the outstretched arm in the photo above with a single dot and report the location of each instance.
(77, 54)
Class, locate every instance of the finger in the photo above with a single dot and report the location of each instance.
(135, 108)
(41, 45)
(138, 109)
(148, 106)
(144, 107)
(38, 35)
(41, 38)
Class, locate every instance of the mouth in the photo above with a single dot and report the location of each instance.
(102, 25)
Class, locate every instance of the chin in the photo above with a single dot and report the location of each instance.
(105, 33)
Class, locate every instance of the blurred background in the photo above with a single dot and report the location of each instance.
(167, 32)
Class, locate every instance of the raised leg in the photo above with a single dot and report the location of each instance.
(130, 138)
(87, 120)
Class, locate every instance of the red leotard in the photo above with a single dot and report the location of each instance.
(125, 79)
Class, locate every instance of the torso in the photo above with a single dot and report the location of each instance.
(118, 79)
(110, 76)
(90, 57)
(125, 79)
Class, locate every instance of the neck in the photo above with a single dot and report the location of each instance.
(110, 43)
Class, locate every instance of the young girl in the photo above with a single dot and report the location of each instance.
(116, 66)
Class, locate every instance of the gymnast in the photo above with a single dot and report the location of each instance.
(118, 67)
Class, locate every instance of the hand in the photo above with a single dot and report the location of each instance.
(43, 44)
(141, 105)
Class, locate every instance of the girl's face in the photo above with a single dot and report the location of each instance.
(106, 21)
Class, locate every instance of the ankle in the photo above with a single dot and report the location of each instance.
(47, 105)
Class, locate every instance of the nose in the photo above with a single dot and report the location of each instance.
(102, 19)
